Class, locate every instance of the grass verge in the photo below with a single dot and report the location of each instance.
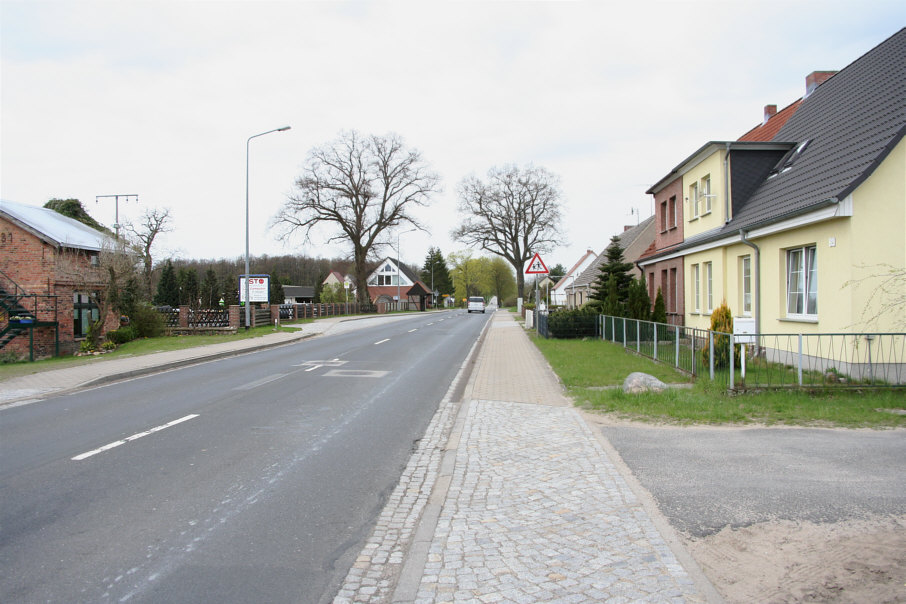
(136, 348)
(593, 370)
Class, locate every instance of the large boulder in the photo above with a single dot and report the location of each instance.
(639, 382)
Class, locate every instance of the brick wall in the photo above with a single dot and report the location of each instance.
(33, 265)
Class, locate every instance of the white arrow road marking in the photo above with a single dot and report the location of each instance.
(133, 437)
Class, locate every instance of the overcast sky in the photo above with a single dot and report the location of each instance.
(158, 98)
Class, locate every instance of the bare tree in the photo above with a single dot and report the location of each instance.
(360, 186)
(153, 222)
(884, 306)
(514, 214)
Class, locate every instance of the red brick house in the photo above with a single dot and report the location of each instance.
(48, 271)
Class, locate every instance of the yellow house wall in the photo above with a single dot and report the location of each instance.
(853, 253)
(713, 166)
(878, 230)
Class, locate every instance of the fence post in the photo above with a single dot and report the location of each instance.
(732, 363)
(800, 360)
(676, 350)
(693, 351)
(624, 332)
(655, 340)
(638, 328)
(711, 353)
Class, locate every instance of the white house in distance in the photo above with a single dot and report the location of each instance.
(558, 292)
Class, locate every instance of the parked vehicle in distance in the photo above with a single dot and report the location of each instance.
(476, 304)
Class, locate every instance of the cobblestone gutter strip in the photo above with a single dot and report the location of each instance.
(376, 572)
(537, 513)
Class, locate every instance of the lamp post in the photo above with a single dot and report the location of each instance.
(399, 272)
(247, 301)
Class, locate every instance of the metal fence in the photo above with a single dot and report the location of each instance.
(756, 361)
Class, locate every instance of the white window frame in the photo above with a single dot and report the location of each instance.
(745, 272)
(696, 289)
(672, 207)
(706, 194)
(802, 282)
(693, 200)
(709, 288)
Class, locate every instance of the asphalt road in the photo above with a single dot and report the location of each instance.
(251, 479)
(705, 479)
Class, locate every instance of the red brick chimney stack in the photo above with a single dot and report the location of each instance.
(815, 79)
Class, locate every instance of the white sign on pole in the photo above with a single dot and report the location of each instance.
(259, 288)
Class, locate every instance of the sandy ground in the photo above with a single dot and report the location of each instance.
(852, 561)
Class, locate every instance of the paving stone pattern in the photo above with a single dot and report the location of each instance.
(537, 513)
(532, 510)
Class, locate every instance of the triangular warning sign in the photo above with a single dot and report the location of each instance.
(536, 266)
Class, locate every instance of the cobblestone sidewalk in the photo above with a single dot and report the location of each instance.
(511, 498)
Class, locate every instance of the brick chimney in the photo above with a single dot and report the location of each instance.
(769, 112)
(815, 79)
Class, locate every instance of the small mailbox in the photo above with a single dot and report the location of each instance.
(744, 330)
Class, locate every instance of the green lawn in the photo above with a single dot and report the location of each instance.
(136, 348)
(593, 370)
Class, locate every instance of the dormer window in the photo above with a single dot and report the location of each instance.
(786, 164)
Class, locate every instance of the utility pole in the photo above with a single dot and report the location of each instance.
(116, 225)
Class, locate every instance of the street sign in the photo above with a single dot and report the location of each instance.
(536, 266)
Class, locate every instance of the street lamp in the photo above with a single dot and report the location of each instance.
(247, 301)
(399, 272)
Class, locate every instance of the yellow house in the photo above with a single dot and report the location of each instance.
(816, 244)
(807, 250)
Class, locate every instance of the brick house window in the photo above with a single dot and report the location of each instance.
(84, 313)
(673, 212)
(674, 291)
(663, 217)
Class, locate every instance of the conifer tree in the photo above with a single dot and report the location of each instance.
(660, 308)
(615, 266)
(435, 268)
(639, 302)
(167, 287)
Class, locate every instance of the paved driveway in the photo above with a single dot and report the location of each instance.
(707, 478)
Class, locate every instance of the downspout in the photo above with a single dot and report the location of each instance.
(727, 185)
(742, 238)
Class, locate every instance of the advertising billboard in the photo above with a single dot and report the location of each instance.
(259, 288)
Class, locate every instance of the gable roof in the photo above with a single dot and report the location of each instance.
(52, 227)
(561, 284)
(768, 130)
(299, 291)
(843, 131)
(400, 267)
(626, 238)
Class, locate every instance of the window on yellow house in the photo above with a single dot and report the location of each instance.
(693, 200)
(745, 271)
(706, 193)
(802, 281)
(696, 289)
(709, 291)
